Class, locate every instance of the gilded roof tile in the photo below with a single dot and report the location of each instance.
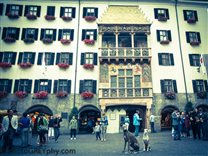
(123, 15)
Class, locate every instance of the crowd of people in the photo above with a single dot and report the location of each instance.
(47, 128)
(194, 120)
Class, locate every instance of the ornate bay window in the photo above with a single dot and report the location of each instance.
(124, 83)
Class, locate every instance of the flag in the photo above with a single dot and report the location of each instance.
(202, 66)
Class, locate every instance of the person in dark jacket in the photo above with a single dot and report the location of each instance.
(194, 118)
(24, 123)
(56, 126)
(175, 123)
(50, 128)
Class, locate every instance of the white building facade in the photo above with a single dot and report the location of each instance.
(114, 57)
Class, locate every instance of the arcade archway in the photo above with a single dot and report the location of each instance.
(40, 109)
(88, 116)
(204, 107)
(34, 111)
(166, 120)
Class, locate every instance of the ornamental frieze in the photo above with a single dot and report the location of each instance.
(124, 28)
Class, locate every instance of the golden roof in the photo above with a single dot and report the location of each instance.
(123, 15)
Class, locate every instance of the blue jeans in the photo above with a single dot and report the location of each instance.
(152, 124)
(136, 132)
(177, 135)
(56, 133)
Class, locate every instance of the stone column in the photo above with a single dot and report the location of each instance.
(148, 42)
(116, 35)
(100, 39)
(102, 106)
(148, 118)
(132, 39)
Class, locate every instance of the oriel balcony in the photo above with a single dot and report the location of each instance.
(138, 54)
(125, 92)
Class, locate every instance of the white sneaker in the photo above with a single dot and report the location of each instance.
(74, 138)
(71, 138)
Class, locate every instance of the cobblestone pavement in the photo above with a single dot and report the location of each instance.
(86, 145)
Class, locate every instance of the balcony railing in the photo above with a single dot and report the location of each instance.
(125, 52)
(125, 92)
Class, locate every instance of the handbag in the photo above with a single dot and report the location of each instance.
(43, 128)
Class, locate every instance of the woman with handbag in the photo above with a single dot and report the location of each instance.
(42, 128)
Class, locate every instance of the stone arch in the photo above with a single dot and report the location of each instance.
(39, 108)
(203, 106)
(166, 120)
(87, 107)
(88, 116)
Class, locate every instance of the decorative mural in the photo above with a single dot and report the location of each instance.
(104, 73)
(113, 69)
(137, 69)
(146, 73)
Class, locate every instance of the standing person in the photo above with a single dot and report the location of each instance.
(97, 131)
(183, 127)
(152, 123)
(187, 125)
(204, 120)
(195, 123)
(136, 122)
(57, 121)
(50, 128)
(127, 122)
(73, 126)
(200, 123)
(175, 123)
(104, 124)
(42, 128)
(9, 125)
(25, 125)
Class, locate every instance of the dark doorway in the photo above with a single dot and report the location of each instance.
(88, 116)
(166, 119)
(131, 111)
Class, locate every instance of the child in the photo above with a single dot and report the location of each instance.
(97, 131)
